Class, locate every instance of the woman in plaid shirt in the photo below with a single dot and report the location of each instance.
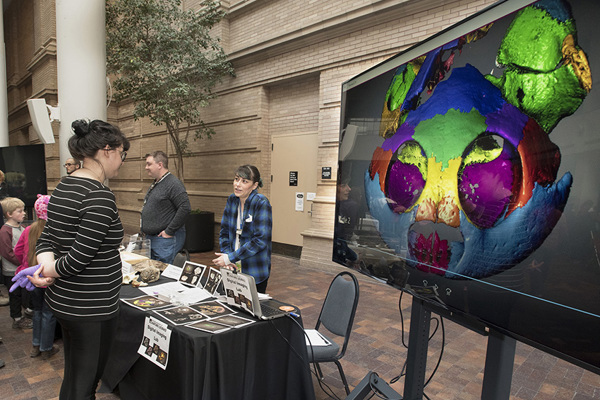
(245, 237)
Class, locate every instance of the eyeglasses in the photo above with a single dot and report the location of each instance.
(123, 154)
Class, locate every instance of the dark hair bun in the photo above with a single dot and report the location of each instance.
(81, 127)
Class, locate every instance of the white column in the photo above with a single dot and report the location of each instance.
(81, 64)
(3, 87)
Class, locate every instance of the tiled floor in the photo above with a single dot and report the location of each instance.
(375, 345)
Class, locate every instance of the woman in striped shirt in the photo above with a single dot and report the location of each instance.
(79, 254)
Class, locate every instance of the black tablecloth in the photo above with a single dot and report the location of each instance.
(263, 360)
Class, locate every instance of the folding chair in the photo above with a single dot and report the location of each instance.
(181, 258)
(337, 316)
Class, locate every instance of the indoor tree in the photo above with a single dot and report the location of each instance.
(165, 60)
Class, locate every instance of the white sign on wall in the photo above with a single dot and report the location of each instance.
(299, 201)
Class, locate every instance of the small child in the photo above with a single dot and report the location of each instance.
(14, 212)
(44, 322)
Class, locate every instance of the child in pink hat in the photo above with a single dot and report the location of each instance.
(44, 322)
(41, 206)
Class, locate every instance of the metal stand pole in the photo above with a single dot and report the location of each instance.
(416, 359)
(499, 362)
(499, 359)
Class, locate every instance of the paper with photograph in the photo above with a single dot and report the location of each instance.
(180, 315)
(191, 273)
(233, 320)
(213, 278)
(155, 342)
(146, 302)
(237, 291)
(212, 308)
(209, 326)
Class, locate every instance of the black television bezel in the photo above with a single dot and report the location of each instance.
(490, 14)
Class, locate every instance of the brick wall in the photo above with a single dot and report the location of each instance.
(290, 57)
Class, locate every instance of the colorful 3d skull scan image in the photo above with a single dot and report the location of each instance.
(465, 183)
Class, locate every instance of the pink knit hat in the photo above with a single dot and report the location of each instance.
(41, 206)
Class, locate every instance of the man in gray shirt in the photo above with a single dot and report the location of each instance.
(166, 207)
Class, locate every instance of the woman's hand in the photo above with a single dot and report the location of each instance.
(222, 261)
(39, 280)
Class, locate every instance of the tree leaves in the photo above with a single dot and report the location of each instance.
(165, 60)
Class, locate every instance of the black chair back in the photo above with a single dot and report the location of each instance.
(337, 316)
(339, 307)
(181, 258)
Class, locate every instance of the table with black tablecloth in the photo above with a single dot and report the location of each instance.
(263, 360)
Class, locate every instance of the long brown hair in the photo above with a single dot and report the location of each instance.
(35, 231)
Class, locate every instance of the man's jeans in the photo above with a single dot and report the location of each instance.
(165, 249)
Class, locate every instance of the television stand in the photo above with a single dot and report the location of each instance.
(499, 359)
(370, 383)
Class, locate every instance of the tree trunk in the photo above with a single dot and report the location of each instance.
(178, 153)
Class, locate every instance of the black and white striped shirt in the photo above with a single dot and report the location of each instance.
(84, 232)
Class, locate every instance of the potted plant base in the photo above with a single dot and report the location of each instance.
(200, 231)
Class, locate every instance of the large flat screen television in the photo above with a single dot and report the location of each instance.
(470, 163)
(24, 170)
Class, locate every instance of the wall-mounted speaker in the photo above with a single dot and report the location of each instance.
(38, 110)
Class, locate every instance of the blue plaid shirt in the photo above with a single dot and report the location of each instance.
(255, 240)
